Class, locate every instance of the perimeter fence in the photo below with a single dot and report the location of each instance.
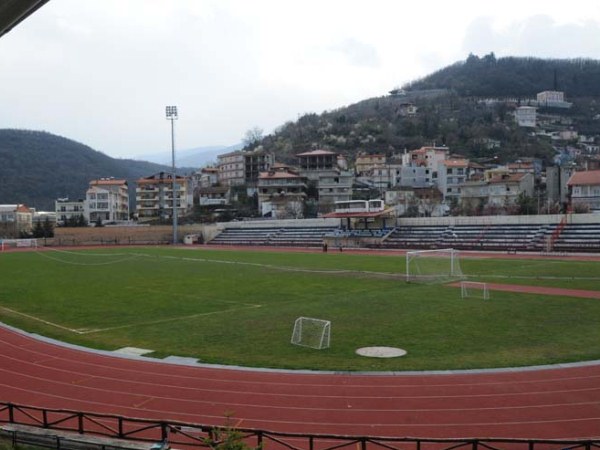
(163, 434)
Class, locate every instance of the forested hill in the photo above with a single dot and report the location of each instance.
(38, 167)
(451, 112)
(512, 76)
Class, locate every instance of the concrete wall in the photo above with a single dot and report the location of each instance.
(122, 235)
(499, 220)
(281, 223)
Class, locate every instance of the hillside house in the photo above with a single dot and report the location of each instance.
(281, 192)
(584, 189)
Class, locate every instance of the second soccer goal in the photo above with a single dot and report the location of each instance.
(313, 333)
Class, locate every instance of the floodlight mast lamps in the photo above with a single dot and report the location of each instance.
(171, 112)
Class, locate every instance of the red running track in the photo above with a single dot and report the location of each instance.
(549, 403)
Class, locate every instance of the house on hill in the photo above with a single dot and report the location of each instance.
(584, 189)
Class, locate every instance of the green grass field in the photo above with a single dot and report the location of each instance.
(238, 308)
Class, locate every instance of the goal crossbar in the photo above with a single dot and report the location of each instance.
(310, 332)
(433, 265)
(474, 289)
(5, 244)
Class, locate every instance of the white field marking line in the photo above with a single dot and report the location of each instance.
(361, 387)
(197, 417)
(72, 330)
(170, 294)
(171, 319)
(74, 263)
(83, 252)
(301, 408)
(284, 268)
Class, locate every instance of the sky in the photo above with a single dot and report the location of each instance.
(102, 71)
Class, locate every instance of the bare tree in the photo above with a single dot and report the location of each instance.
(253, 136)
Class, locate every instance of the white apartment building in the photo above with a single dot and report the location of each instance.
(66, 210)
(452, 174)
(107, 200)
(526, 116)
(14, 220)
(154, 196)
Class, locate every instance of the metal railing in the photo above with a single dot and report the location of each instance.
(191, 435)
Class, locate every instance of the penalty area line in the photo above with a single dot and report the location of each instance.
(52, 324)
(172, 319)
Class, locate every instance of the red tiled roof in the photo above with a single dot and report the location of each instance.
(588, 177)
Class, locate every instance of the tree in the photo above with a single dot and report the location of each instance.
(252, 137)
(525, 204)
(48, 228)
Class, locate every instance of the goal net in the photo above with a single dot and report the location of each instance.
(313, 333)
(474, 289)
(432, 266)
(7, 244)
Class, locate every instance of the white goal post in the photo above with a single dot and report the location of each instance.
(474, 289)
(313, 333)
(6, 244)
(433, 266)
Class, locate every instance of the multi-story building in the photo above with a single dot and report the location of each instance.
(15, 220)
(504, 189)
(430, 157)
(365, 163)
(243, 167)
(154, 196)
(231, 168)
(212, 196)
(584, 189)
(552, 99)
(334, 186)
(281, 192)
(452, 174)
(322, 167)
(68, 210)
(526, 116)
(315, 161)
(107, 200)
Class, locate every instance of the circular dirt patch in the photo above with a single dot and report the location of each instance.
(381, 352)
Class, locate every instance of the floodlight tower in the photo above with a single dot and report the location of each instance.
(171, 112)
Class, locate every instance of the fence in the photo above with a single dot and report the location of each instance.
(189, 435)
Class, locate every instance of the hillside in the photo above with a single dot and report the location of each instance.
(514, 77)
(454, 115)
(38, 167)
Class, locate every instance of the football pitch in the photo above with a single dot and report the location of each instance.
(239, 307)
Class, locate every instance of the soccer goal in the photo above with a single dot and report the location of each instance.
(313, 333)
(474, 289)
(433, 266)
(7, 244)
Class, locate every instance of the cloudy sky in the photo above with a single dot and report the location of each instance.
(102, 71)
